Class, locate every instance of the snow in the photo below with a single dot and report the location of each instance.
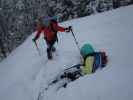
(25, 74)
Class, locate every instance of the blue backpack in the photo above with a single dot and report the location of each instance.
(46, 21)
(100, 60)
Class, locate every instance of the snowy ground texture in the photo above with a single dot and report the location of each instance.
(25, 74)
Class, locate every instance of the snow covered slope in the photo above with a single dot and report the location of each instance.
(24, 74)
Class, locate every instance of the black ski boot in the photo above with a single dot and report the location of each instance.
(49, 54)
(53, 49)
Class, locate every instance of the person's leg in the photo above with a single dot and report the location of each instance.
(52, 43)
(50, 48)
(53, 49)
(49, 53)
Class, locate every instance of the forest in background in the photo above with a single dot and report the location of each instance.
(18, 17)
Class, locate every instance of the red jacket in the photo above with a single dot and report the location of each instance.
(48, 32)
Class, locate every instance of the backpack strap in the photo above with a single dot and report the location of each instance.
(97, 61)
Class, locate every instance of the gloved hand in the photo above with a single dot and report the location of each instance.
(68, 29)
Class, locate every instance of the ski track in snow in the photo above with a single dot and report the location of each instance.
(57, 63)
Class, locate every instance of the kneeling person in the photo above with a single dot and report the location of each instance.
(91, 62)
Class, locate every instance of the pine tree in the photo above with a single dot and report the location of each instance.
(3, 34)
(116, 4)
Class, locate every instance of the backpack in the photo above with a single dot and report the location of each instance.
(46, 21)
(100, 60)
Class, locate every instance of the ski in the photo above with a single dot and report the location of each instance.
(61, 77)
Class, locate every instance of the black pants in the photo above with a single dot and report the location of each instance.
(50, 44)
(50, 47)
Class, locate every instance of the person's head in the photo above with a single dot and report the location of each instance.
(86, 49)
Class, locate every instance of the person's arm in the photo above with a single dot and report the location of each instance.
(58, 28)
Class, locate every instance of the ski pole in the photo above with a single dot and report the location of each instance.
(75, 39)
(76, 42)
(37, 48)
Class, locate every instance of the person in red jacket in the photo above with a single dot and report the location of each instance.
(49, 31)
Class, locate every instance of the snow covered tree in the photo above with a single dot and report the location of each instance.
(3, 35)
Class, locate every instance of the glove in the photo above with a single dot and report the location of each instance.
(68, 29)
